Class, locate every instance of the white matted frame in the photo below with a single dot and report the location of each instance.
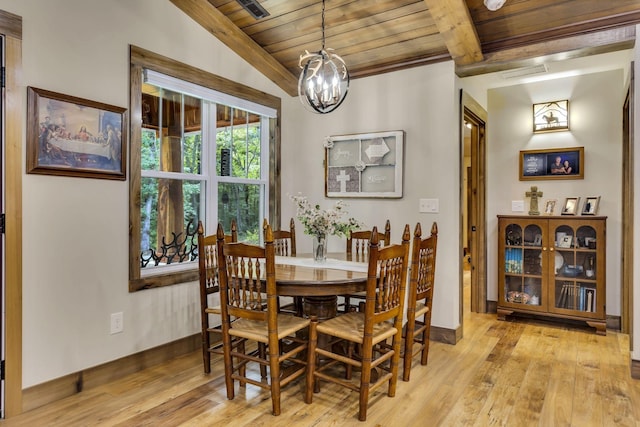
(571, 206)
(364, 165)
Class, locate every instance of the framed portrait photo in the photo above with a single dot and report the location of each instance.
(550, 207)
(553, 163)
(571, 206)
(590, 206)
(71, 136)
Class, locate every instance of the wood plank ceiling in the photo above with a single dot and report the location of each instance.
(378, 36)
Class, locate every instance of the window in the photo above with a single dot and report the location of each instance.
(201, 154)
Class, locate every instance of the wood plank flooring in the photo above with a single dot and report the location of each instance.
(521, 373)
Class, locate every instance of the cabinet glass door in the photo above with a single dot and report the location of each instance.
(523, 265)
(575, 272)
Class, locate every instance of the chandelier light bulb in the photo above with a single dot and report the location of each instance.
(493, 5)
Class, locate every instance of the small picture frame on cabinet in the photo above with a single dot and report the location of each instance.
(590, 206)
(571, 206)
(566, 242)
(549, 207)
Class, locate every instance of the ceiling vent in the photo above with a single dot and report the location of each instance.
(524, 72)
(254, 8)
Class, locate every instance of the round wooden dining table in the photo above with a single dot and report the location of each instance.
(319, 284)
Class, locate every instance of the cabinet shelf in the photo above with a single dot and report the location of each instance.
(542, 278)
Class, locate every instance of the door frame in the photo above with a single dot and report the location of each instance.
(472, 112)
(11, 28)
(627, 268)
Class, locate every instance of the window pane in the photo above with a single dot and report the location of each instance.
(150, 159)
(242, 203)
(163, 128)
(168, 230)
(238, 143)
(150, 148)
(192, 147)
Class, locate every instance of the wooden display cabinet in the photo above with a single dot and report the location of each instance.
(553, 266)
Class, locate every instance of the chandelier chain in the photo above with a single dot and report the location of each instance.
(322, 24)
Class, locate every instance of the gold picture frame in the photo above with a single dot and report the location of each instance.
(571, 206)
(552, 163)
(71, 136)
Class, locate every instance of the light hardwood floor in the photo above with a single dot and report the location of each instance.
(521, 373)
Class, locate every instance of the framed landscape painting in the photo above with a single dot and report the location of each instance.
(71, 136)
(364, 165)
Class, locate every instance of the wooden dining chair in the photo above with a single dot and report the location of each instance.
(420, 299)
(357, 249)
(284, 242)
(247, 277)
(370, 330)
(209, 285)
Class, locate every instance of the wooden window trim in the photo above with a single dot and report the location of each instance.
(140, 59)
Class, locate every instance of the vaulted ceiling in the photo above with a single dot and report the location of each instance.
(379, 36)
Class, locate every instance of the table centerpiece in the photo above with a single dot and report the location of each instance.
(320, 223)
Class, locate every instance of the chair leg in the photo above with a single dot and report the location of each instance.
(262, 353)
(408, 347)
(299, 305)
(347, 304)
(348, 367)
(206, 356)
(228, 366)
(365, 381)
(425, 338)
(395, 362)
(242, 370)
(311, 359)
(274, 370)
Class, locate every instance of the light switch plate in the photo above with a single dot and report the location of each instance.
(429, 206)
(517, 206)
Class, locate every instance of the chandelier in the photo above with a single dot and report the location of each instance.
(324, 80)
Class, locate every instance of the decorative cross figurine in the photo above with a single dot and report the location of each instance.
(534, 194)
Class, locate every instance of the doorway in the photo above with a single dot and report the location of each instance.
(473, 196)
(2, 242)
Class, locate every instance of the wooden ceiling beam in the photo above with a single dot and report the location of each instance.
(454, 23)
(554, 50)
(211, 19)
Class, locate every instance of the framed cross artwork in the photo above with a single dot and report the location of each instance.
(364, 165)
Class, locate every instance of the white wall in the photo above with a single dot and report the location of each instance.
(424, 103)
(595, 104)
(75, 236)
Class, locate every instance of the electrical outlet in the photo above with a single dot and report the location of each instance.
(117, 323)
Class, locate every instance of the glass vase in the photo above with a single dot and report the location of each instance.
(319, 248)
